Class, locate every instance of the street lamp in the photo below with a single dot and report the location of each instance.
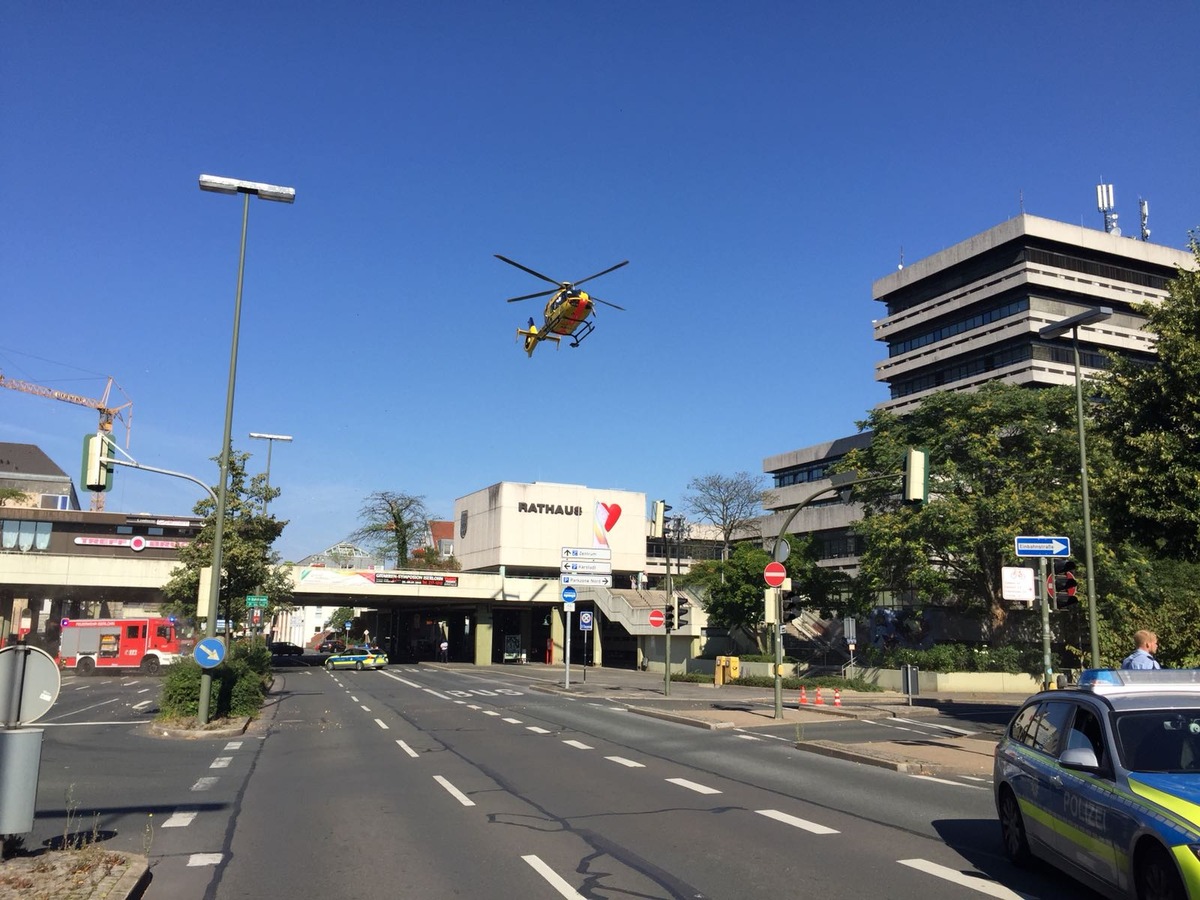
(266, 192)
(270, 439)
(1050, 332)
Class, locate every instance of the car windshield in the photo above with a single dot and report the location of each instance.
(1166, 740)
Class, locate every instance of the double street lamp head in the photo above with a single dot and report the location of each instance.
(219, 185)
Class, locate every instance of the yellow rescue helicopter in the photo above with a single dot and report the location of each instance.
(569, 311)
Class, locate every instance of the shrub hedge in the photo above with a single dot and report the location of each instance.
(239, 684)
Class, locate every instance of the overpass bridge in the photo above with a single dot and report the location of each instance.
(485, 617)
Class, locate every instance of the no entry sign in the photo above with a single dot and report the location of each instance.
(656, 618)
(774, 574)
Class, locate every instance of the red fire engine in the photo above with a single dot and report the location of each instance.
(90, 644)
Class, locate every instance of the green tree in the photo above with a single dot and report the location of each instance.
(393, 524)
(1003, 462)
(250, 565)
(733, 590)
(730, 502)
(337, 621)
(1151, 418)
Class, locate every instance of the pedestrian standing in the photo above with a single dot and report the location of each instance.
(444, 651)
(1143, 657)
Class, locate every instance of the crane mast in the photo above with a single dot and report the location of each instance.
(108, 414)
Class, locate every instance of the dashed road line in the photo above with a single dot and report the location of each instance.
(382, 724)
(553, 878)
(536, 729)
(205, 859)
(627, 763)
(205, 784)
(512, 721)
(407, 749)
(180, 819)
(974, 882)
(221, 762)
(365, 708)
(974, 787)
(234, 745)
(490, 712)
(578, 745)
(796, 822)
(453, 791)
(693, 786)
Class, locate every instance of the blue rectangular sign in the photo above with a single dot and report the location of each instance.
(1043, 545)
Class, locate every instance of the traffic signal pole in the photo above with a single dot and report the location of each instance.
(1044, 593)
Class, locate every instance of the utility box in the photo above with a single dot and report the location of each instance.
(727, 669)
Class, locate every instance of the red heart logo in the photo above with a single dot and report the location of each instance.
(614, 513)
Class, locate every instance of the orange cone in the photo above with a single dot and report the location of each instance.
(819, 701)
(837, 697)
(803, 695)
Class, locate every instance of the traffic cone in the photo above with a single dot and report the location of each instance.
(837, 697)
(819, 701)
(803, 695)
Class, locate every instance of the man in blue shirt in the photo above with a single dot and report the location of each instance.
(1142, 657)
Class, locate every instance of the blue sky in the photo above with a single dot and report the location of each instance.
(760, 164)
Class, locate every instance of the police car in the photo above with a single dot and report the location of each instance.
(357, 658)
(1103, 781)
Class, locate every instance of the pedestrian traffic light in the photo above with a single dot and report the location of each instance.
(669, 617)
(681, 612)
(1065, 587)
(97, 465)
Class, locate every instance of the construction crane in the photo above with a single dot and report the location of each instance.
(108, 414)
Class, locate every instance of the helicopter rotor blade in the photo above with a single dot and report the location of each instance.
(529, 296)
(529, 270)
(598, 274)
(606, 303)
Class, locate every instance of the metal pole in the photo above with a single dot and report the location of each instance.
(1044, 593)
(567, 653)
(667, 638)
(214, 594)
(1087, 512)
(778, 600)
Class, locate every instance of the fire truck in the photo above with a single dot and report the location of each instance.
(91, 644)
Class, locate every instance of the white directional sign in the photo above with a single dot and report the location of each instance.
(587, 567)
(1043, 545)
(586, 553)
(587, 580)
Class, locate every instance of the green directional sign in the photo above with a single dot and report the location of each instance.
(256, 601)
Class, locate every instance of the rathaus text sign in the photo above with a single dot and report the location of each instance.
(549, 509)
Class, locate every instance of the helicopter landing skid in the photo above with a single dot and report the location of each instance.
(584, 330)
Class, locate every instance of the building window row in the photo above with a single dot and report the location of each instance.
(986, 317)
(24, 536)
(806, 473)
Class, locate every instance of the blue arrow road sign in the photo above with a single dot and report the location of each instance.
(585, 620)
(1043, 545)
(209, 652)
(568, 594)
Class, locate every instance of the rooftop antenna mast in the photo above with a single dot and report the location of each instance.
(1104, 202)
(1144, 209)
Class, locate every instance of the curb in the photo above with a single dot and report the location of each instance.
(822, 748)
(134, 882)
(679, 718)
(239, 726)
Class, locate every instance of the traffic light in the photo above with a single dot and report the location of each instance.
(658, 515)
(916, 476)
(669, 617)
(97, 466)
(681, 612)
(1065, 587)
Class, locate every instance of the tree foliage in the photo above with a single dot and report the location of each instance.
(733, 590)
(1151, 417)
(730, 502)
(393, 524)
(250, 565)
(1003, 461)
(12, 495)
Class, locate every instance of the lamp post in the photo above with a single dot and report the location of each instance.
(270, 439)
(280, 194)
(1050, 332)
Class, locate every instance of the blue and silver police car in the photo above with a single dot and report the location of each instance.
(1103, 781)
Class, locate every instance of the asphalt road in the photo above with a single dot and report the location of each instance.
(432, 782)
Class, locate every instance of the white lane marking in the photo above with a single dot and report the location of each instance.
(143, 704)
(365, 708)
(80, 687)
(221, 762)
(234, 745)
(206, 783)
(437, 694)
(382, 724)
(78, 711)
(411, 684)
(974, 787)
(144, 690)
(453, 791)
(555, 880)
(407, 749)
(578, 745)
(627, 763)
(512, 721)
(204, 859)
(961, 731)
(977, 778)
(974, 882)
(352, 697)
(749, 737)
(461, 702)
(490, 712)
(796, 822)
(692, 786)
(179, 820)
(538, 730)
(474, 706)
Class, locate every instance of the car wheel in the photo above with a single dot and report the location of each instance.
(85, 666)
(358, 665)
(1012, 829)
(151, 665)
(1156, 877)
